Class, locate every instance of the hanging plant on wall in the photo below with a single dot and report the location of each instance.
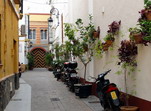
(146, 30)
(114, 27)
(111, 33)
(146, 12)
(96, 33)
(136, 35)
(144, 24)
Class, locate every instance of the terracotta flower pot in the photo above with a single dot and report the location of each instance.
(138, 38)
(148, 14)
(105, 47)
(95, 34)
(129, 108)
(109, 42)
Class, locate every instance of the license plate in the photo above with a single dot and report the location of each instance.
(113, 95)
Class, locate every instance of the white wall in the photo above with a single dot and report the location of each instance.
(22, 50)
(127, 12)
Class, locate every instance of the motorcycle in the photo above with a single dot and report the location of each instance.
(108, 93)
(57, 71)
(65, 72)
(72, 77)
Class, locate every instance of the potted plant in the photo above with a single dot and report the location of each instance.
(30, 61)
(145, 27)
(96, 34)
(145, 22)
(136, 35)
(127, 55)
(85, 54)
(49, 60)
(146, 13)
(110, 37)
(114, 27)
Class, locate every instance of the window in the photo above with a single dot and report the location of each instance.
(43, 34)
(32, 34)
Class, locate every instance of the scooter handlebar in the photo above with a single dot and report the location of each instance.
(107, 72)
(103, 74)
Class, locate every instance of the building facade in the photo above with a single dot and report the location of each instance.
(38, 40)
(9, 37)
(104, 13)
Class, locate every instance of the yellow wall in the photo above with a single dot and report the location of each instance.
(39, 17)
(8, 39)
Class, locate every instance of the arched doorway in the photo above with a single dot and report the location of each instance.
(39, 57)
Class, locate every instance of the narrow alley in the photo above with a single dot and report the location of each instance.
(72, 55)
(51, 95)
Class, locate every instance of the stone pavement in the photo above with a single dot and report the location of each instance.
(21, 101)
(49, 95)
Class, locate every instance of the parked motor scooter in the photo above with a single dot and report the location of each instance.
(57, 71)
(65, 72)
(72, 77)
(108, 93)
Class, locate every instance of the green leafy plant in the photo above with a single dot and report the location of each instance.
(70, 31)
(136, 35)
(81, 40)
(30, 61)
(49, 59)
(86, 43)
(146, 29)
(111, 33)
(62, 52)
(144, 24)
(98, 49)
(134, 30)
(72, 43)
(147, 4)
(127, 55)
(109, 36)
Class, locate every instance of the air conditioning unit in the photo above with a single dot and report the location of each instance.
(23, 30)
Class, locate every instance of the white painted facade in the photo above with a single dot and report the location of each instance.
(22, 50)
(105, 12)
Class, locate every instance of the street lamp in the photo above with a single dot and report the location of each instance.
(51, 28)
(55, 11)
(50, 22)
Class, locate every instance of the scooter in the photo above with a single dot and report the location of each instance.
(108, 93)
(65, 72)
(72, 77)
(57, 71)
